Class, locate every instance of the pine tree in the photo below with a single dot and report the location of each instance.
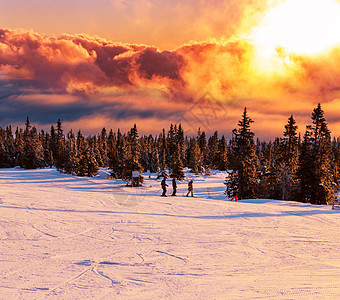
(289, 161)
(5, 160)
(336, 161)
(57, 144)
(213, 154)
(103, 148)
(154, 166)
(231, 182)
(246, 162)
(71, 165)
(222, 154)
(202, 143)
(94, 145)
(195, 157)
(19, 146)
(10, 146)
(162, 150)
(181, 141)
(45, 141)
(115, 154)
(88, 165)
(32, 155)
(177, 165)
(306, 165)
(131, 156)
(315, 174)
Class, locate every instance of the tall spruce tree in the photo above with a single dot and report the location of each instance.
(289, 159)
(315, 173)
(246, 162)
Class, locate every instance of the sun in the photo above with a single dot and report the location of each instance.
(303, 27)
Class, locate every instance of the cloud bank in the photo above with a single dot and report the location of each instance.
(91, 82)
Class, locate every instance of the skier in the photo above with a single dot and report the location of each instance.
(164, 185)
(174, 186)
(234, 194)
(190, 189)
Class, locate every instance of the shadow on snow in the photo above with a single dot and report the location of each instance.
(231, 216)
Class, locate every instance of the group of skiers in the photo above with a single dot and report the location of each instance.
(190, 189)
(174, 187)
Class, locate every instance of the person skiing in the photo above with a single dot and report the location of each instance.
(234, 194)
(190, 189)
(174, 186)
(164, 185)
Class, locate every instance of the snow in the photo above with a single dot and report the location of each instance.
(65, 237)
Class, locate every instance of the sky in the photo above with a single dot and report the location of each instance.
(114, 63)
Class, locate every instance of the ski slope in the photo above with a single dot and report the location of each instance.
(65, 237)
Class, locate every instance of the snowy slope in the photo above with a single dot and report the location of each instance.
(64, 237)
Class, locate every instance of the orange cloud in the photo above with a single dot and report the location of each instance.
(82, 77)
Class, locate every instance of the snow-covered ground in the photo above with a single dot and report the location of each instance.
(65, 237)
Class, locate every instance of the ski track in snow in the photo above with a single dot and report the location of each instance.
(64, 237)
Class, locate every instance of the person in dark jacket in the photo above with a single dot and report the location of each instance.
(190, 189)
(174, 186)
(164, 185)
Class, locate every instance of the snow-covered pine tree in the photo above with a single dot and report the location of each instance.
(57, 144)
(45, 142)
(33, 152)
(115, 154)
(94, 146)
(88, 165)
(181, 141)
(177, 165)
(171, 143)
(102, 146)
(202, 143)
(213, 155)
(93, 166)
(146, 151)
(154, 164)
(231, 182)
(71, 165)
(131, 156)
(162, 150)
(195, 157)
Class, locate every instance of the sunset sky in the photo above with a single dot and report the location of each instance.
(113, 63)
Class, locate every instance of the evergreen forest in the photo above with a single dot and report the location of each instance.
(293, 167)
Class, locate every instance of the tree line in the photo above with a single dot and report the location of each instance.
(290, 167)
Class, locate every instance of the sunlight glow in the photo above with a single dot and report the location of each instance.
(303, 27)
